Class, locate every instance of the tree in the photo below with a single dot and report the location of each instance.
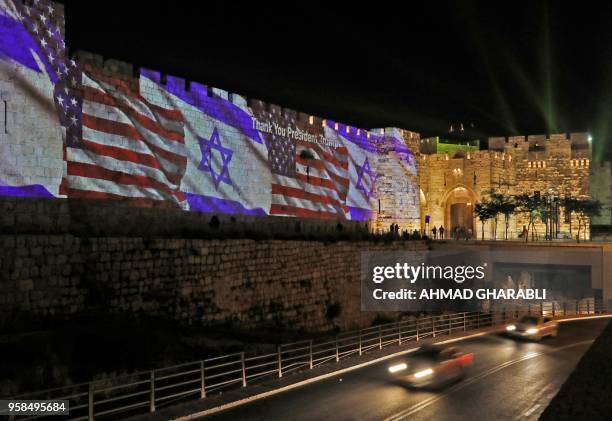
(508, 207)
(532, 207)
(493, 204)
(505, 205)
(546, 216)
(570, 205)
(484, 213)
(585, 210)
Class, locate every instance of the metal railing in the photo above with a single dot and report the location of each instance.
(150, 390)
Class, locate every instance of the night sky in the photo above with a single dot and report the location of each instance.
(505, 68)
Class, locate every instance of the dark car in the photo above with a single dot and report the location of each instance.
(431, 365)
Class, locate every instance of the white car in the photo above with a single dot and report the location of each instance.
(533, 327)
(431, 365)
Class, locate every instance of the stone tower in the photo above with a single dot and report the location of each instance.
(554, 166)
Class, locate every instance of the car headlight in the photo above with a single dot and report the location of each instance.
(532, 331)
(398, 367)
(423, 373)
(510, 328)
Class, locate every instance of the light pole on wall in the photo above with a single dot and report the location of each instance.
(307, 155)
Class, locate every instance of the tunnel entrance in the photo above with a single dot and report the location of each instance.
(562, 282)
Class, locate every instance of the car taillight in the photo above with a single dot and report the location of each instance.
(466, 359)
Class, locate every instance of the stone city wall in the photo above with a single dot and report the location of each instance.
(304, 285)
(79, 126)
(101, 218)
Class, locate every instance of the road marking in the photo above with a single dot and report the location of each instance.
(475, 335)
(538, 398)
(572, 319)
(533, 408)
(427, 402)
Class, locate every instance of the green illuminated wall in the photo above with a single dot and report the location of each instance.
(436, 145)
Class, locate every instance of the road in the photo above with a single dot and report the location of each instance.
(509, 380)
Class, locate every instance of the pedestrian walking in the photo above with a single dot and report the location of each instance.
(525, 233)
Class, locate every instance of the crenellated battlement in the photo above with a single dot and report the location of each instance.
(541, 143)
(567, 147)
(483, 155)
(199, 93)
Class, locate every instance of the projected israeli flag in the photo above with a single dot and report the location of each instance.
(227, 166)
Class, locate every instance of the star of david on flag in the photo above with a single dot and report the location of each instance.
(361, 181)
(207, 146)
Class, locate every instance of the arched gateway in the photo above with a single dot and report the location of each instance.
(459, 209)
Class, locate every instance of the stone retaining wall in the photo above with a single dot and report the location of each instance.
(305, 285)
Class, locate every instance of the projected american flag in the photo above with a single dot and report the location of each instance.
(130, 148)
(309, 180)
(41, 21)
(116, 144)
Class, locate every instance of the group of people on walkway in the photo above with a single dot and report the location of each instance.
(437, 232)
(458, 232)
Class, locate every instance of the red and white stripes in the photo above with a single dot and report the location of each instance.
(130, 147)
